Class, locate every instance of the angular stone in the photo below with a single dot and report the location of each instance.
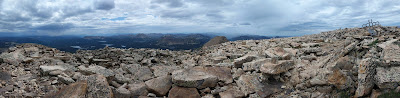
(273, 86)
(121, 78)
(366, 73)
(278, 52)
(159, 86)
(218, 59)
(254, 65)
(340, 79)
(75, 90)
(208, 96)
(100, 60)
(180, 92)
(65, 78)
(344, 63)
(232, 92)
(98, 87)
(222, 73)
(193, 79)
(319, 80)
(247, 58)
(94, 69)
(138, 71)
(308, 45)
(51, 68)
(249, 84)
(144, 73)
(387, 77)
(163, 70)
(4, 76)
(391, 53)
(281, 66)
(55, 72)
(122, 92)
(14, 57)
(308, 57)
(311, 50)
(138, 89)
(375, 93)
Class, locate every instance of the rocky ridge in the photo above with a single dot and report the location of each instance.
(345, 62)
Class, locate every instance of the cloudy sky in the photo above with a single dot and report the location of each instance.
(261, 17)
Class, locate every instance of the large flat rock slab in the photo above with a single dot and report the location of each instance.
(387, 77)
(193, 78)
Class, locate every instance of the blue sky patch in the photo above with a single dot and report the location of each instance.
(114, 19)
(118, 18)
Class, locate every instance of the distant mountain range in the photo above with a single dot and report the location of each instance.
(151, 40)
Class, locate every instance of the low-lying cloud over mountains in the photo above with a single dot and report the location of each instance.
(262, 17)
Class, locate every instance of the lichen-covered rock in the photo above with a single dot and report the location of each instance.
(139, 72)
(279, 52)
(232, 92)
(366, 71)
(249, 84)
(391, 53)
(247, 58)
(47, 69)
(340, 79)
(94, 69)
(180, 92)
(163, 70)
(138, 89)
(193, 78)
(387, 77)
(75, 90)
(98, 87)
(122, 92)
(254, 65)
(222, 73)
(277, 68)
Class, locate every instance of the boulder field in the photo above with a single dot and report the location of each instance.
(341, 63)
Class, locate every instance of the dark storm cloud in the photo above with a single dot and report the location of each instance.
(104, 4)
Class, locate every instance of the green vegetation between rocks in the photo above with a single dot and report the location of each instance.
(373, 43)
(391, 94)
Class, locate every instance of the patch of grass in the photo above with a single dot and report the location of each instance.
(374, 43)
(391, 94)
(344, 94)
(397, 43)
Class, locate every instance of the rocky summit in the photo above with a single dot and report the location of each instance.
(349, 62)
